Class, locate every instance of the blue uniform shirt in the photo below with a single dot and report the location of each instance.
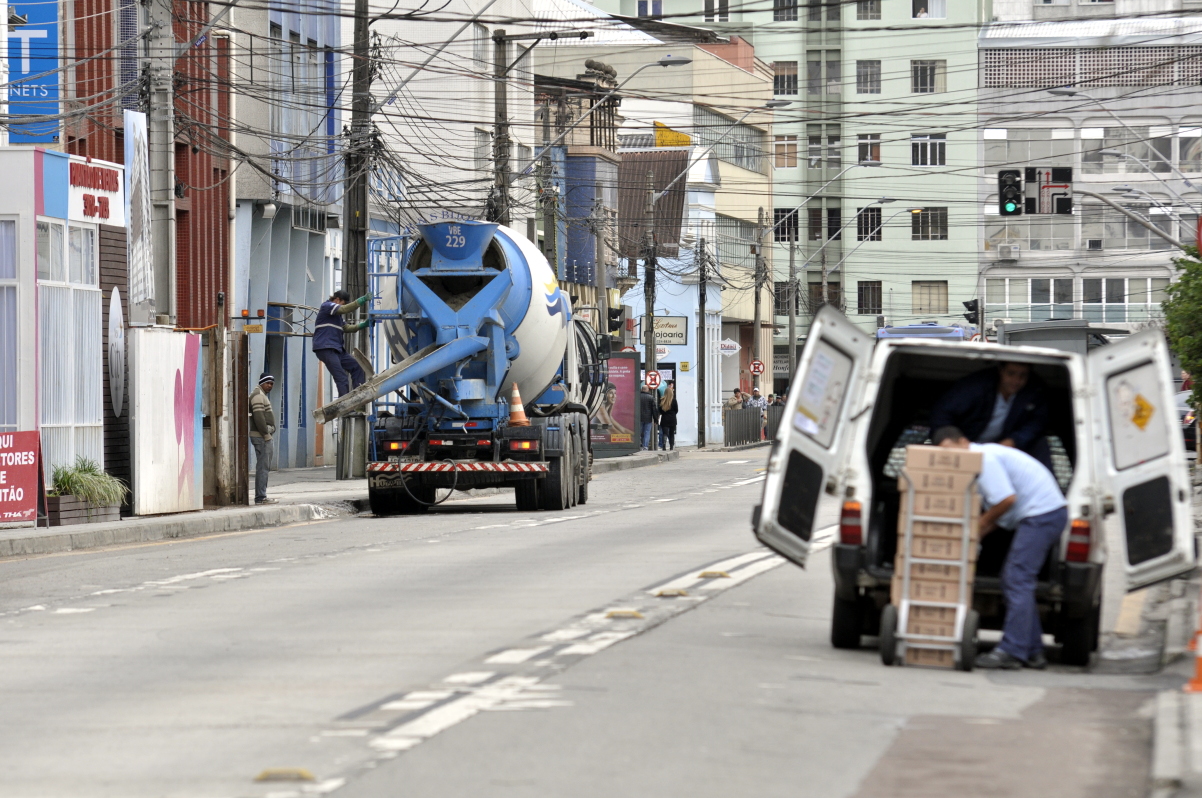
(328, 329)
(1012, 472)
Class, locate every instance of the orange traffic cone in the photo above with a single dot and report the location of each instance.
(1194, 685)
(517, 414)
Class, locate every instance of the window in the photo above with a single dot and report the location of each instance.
(1190, 142)
(483, 150)
(742, 145)
(928, 297)
(868, 9)
(1022, 300)
(834, 148)
(928, 149)
(780, 299)
(1051, 298)
(1147, 144)
(784, 10)
(814, 224)
(8, 326)
(784, 79)
(1112, 230)
(814, 146)
(869, 145)
(868, 77)
(834, 223)
(834, 73)
(815, 10)
(929, 224)
(784, 227)
(834, 294)
(785, 150)
(1122, 299)
(735, 238)
(924, 9)
(656, 8)
(868, 297)
(814, 72)
(928, 77)
(868, 224)
(717, 10)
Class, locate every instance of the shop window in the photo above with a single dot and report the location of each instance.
(928, 297)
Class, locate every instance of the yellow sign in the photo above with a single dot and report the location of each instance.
(252, 328)
(684, 365)
(1143, 411)
(667, 137)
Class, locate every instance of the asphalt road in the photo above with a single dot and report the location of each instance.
(640, 645)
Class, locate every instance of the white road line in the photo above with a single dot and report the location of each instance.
(689, 580)
(743, 574)
(736, 462)
(598, 642)
(470, 677)
(564, 635)
(760, 478)
(515, 656)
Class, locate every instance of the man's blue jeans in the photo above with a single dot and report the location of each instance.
(1034, 538)
(646, 434)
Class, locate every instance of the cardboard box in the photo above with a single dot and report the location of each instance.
(937, 458)
(942, 547)
(932, 573)
(935, 621)
(931, 657)
(927, 590)
(935, 481)
(944, 505)
(934, 529)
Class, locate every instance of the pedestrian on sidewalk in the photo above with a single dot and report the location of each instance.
(1028, 500)
(735, 402)
(668, 408)
(328, 343)
(648, 413)
(262, 427)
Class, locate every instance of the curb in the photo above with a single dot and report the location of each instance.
(606, 465)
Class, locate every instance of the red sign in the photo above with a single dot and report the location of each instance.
(653, 379)
(19, 476)
(757, 367)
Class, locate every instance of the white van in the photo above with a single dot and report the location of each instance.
(1117, 453)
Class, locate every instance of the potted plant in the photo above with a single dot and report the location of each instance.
(83, 494)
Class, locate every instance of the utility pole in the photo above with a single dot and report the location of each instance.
(161, 134)
(703, 350)
(500, 125)
(825, 290)
(548, 197)
(649, 291)
(759, 286)
(792, 301)
(352, 440)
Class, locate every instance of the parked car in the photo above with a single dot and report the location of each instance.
(853, 407)
(1189, 419)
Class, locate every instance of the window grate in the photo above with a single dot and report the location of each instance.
(1092, 67)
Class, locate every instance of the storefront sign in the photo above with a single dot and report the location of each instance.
(729, 347)
(672, 330)
(19, 476)
(95, 192)
(33, 76)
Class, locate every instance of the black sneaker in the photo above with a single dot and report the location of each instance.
(1038, 662)
(997, 660)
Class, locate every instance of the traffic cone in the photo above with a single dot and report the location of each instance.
(517, 413)
(1194, 685)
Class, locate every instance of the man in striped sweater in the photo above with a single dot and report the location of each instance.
(262, 427)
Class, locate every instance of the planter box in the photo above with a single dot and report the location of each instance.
(64, 510)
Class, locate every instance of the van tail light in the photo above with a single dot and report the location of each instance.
(851, 532)
(1078, 541)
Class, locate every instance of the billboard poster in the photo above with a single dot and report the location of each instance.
(33, 63)
(19, 476)
(614, 423)
(137, 220)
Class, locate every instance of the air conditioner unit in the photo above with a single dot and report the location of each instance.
(996, 322)
(1094, 244)
(1008, 251)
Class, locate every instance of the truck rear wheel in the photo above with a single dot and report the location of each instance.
(846, 624)
(526, 494)
(555, 486)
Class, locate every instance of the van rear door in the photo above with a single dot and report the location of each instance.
(812, 440)
(1141, 459)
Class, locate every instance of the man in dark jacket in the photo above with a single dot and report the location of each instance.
(328, 330)
(648, 413)
(1003, 404)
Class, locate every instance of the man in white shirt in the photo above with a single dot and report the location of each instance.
(1020, 494)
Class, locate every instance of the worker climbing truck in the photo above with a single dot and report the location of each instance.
(490, 381)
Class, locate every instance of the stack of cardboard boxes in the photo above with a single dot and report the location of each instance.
(942, 480)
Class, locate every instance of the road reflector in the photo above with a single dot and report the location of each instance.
(285, 774)
(713, 575)
(670, 592)
(623, 614)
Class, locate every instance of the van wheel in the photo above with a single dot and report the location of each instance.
(889, 634)
(968, 641)
(846, 624)
(1079, 638)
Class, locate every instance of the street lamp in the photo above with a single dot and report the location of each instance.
(664, 61)
(1167, 187)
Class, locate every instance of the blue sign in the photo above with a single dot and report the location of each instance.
(33, 63)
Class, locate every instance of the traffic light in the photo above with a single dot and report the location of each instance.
(974, 312)
(615, 319)
(1009, 192)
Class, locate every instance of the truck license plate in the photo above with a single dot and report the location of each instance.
(394, 460)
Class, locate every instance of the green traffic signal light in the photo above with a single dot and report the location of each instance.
(1011, 207)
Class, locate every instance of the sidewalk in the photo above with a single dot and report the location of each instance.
(302, 495)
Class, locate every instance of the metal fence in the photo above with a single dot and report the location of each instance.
(775, 413)
(750, 425)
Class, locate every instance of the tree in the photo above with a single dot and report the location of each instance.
(1183, 316)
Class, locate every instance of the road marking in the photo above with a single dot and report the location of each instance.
(691, 579)
(736, 462)
(515, 656)
(760, 478)
(471, 677)
(73, 610)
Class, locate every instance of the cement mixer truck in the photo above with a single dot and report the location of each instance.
(476, 320)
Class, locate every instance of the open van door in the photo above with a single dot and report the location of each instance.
(812, 440)
(1142, 469)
